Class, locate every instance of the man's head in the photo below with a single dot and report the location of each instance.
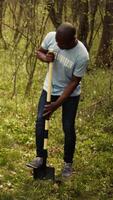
(65, 36)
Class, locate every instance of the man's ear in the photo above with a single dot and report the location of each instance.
(74, 39)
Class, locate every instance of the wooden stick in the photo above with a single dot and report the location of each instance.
(49, 82)
(48, 101)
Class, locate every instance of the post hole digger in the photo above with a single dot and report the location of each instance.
(44, 171)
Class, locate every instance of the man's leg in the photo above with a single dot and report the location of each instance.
(40, 125)
(69, 110)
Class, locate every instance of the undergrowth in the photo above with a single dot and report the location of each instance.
(93, 161)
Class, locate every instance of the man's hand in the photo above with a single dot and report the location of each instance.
(50, 57)
(49, 109)
(45, 55)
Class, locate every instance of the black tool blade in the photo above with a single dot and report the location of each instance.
(44, 173)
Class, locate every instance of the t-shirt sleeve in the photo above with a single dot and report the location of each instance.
(46, 42)
(80, 68)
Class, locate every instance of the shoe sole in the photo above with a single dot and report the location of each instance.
(31, 166)
(66, 176)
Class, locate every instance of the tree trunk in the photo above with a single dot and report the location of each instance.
(93, 5)
(55, 14)
(18, 22)
(105, 52)
(1, 15)
(83, 21)
(75, 11)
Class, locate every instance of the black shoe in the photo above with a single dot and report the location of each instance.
(67, 170)
(35, 163)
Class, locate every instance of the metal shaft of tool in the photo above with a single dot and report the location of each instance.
(48, 101)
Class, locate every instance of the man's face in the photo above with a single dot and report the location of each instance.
(62, 42)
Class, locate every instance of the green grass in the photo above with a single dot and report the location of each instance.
(93, 161)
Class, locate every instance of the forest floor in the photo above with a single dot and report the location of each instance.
(93, 161)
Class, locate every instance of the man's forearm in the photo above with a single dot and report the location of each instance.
(50, 108)
(45, 56)
(41, 56)
(67, 92)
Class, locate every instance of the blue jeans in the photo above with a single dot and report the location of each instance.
(69, 110)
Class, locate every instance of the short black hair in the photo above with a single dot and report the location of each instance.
(67, 31)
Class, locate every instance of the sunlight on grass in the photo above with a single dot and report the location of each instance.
(93, 162)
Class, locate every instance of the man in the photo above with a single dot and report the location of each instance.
(70, 59)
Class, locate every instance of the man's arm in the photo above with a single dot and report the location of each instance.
(44, 55)
(67, 92)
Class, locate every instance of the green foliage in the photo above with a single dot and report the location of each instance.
(93, 162)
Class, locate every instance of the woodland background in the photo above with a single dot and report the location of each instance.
(23, 25)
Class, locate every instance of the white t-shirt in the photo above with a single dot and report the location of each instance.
(67, 63)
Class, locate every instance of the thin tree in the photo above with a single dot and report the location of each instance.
(83, 21)
(105, 51)
(93, 6)
(55, 9)
(1, 18)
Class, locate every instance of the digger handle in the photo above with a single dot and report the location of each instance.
(49, 82)
(48, 101)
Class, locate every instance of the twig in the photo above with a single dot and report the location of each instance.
(15, 29)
